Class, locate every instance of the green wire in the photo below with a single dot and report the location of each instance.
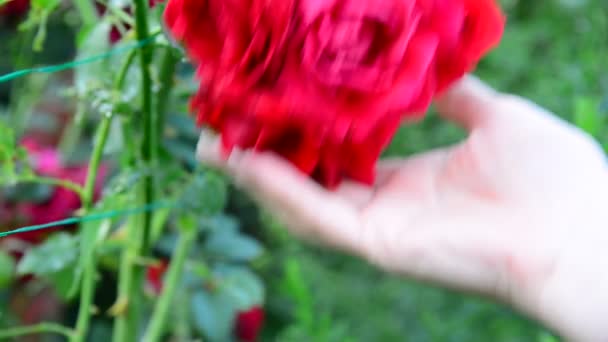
(73, 64)
(70, 65)
(89, 218)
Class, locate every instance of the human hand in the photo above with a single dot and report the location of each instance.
(514, 212)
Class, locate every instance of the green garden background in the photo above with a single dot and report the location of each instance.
(554, 52)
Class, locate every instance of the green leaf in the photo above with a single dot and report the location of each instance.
(213, 312)
(206, 194)
(159, 222)
(62, 281)
(89, 76)
(243, 287)
(123, 182)
(221, 222)
(38, 18)
(213, 315)
(91, 235)
(181, 150)
(53, 255)
(28, 192)
(184, 126)
(45, 4)
(8, 152)
(546, 337)
(587, 116)
(233, 246)
(7, 269)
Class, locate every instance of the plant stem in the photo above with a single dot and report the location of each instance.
(119, 82)
(126, 321)
(52, 182)
(100, 142)
(130, 276)
(87, 290)
(167, 71)
(148, 149)
(88, 13)
(174, 275)
(125, 307)
(129, 156)
(41, 328)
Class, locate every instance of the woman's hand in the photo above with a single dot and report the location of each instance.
(517, 211)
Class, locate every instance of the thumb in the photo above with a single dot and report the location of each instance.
(468, 103)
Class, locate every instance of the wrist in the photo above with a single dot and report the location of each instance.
(576, 308)
(574, 299)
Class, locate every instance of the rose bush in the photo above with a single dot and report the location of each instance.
(326, 84)
(247, 323)
(61, 202)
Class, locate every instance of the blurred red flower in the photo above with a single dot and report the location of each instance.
(60, 204)
(249, 324)
(14, 8)
(154, 277)
(327, 83)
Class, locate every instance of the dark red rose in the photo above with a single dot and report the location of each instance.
(15, 9)
(326, 83)
(154, 277)
(249, 324)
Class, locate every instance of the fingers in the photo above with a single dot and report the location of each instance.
(309, 210)
(468, 103)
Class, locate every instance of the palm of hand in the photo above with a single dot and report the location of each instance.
(494, 214)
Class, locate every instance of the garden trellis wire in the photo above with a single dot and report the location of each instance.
(70, 65)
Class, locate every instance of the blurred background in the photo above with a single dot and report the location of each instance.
(554, 52)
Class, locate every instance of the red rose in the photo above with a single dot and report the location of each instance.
(242, 39)
(249, 324)
(327, 83)
(15, 8)
(154, 277)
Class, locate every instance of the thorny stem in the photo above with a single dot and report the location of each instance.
(52, 182)
(100, 142)
(125, 323)
(87, 290)
(174, 275)
(127, 318)
(42, 328)
(148, 149)
(167, 71)
(131, 276)
(127, 131)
